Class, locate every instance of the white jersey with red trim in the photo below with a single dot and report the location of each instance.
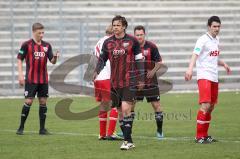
(106, 71)
(207, 49)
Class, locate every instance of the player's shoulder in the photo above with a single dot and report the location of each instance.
(27, 42)
(150, 44)
(131, 36)
(203, 38)
(45, 43)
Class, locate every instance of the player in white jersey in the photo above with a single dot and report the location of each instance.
(205, 55)
(102, 86)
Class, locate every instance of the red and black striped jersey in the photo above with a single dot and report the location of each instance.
(121, 54)
(36, 60)
(151, 54)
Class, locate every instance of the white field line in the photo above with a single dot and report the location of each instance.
(228, 140)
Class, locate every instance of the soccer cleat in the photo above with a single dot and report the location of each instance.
(127, 145)
(44, 132)
(202, 140)
(114, 137)
(19, 131)
(210, 139)
(160, 135)
(102, 137)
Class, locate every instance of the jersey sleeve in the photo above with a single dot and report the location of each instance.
(102, 58)
(198, 46)
(49, 52)
(155, 56)
(22, 51)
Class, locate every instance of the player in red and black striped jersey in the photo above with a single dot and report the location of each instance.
(153, 62)
(36, 52)
(122, 50)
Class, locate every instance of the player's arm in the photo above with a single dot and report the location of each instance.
(55, 57)
(227, 68)
(158, 62)
(52, 57)
(197, 51)
(20, 57)
(157, 66)
(188, 74)
(20, 73)
(101, 61)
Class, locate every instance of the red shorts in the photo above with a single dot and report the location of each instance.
(208, 91)
(102, 90)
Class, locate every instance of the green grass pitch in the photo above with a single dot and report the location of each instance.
(79, 138)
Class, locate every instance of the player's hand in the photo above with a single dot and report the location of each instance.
(188, 75)
(21, 80)
(150, 74)
(140, 85)
(95, 74)
(227, 68)
(57, 54)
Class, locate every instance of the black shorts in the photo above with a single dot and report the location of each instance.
(32, 89)
(150, 93)
(121, 94)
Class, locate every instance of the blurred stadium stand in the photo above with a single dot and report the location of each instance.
(74, 26)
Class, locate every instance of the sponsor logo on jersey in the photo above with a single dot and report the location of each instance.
(37, 55)
(119, 52)
(214, 53)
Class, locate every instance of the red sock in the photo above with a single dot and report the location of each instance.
(208, 118)
(112, 121)
(202, 124)
(102, 122)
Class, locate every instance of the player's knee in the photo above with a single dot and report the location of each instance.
(205, 107)
(29, 101)
(42, 101)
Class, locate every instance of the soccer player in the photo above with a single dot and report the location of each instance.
(205, 55)
(35, 52)
(153, 62)
(102, 93)
(122, 50)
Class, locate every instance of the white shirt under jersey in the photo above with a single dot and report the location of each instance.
(207, 49)
(106, 71)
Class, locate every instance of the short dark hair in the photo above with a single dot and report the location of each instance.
(139, 27)
(213, 19)
(122, 19)
(37, 26)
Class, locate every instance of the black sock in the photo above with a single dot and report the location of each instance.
(159, 121)
(42, 116)
(121, 125)
(24, 114)
(127, 123)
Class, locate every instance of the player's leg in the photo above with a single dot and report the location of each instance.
(113, 116)
(214, 97)
(127, 103)
(30, 92)
(203, 116)
(158, 116)
(103, 108)
(42, 99)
